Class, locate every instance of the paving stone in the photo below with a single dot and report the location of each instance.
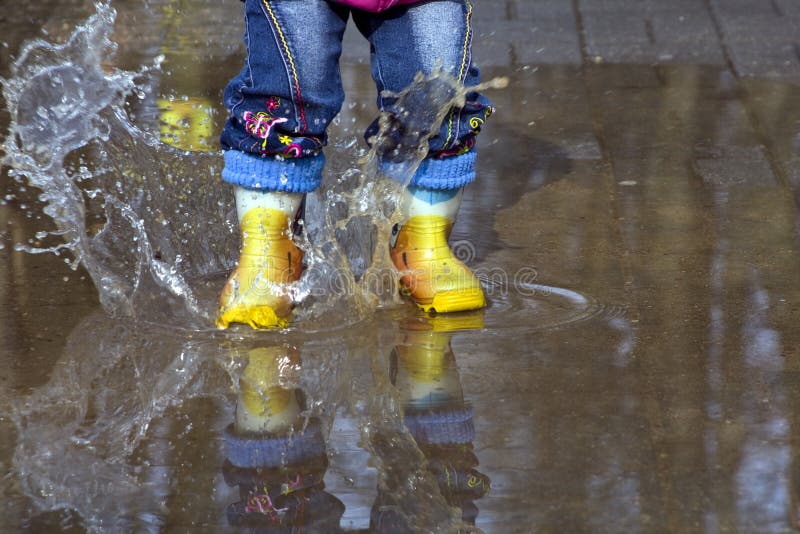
(745, 8)
(617, 76)
(789, 8)
(736, 166)
(776, 107)
(687, 7)
(775, 62)
(547, 40)
(489, 12)
(548, 48)
(681, 121)
(488, 52)
(761, 35)
(607, 28)
(535, 11)
(683, 38)
(593, 7)
(641, 38)
(716, 80)
(676, 23)
(760, 30)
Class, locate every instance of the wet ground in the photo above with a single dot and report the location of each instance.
(636, 223)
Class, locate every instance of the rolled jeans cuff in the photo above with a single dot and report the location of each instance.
(271, 173)
(447, 173)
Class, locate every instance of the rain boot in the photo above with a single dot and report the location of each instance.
(423, 368)
(256, 292)
(264, 405)
(429, 272)
(276, 456)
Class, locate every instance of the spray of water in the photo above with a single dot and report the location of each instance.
(121, 202)
(154, 226)
(155, 229)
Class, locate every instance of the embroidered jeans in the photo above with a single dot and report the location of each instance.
(290, 88)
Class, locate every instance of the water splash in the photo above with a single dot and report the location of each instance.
(75, 435)
(154, 232)
(124, 205)
(155, 227)
(364, 204)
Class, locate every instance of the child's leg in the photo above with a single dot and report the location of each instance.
(280, 106)
(285, 96)
(422, 38)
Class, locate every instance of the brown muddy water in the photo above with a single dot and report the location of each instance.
(636, 230)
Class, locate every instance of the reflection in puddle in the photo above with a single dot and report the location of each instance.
(423, 368)
(77, 432)
(276, 457)
(108, 436)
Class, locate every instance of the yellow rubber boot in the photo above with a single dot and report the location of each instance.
(429, 272)
(255, 292)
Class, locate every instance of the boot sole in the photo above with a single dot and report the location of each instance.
(454, 301)
(258, 317)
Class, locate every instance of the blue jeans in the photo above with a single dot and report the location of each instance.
(290, 88)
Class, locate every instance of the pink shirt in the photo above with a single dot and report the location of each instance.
(375, 5)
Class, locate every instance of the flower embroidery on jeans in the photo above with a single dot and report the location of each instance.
(259, 124)
(273, 103)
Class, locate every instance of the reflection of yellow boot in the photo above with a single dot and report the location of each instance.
(255, 293)
(264, 404)
(426, 373)
(432, 275)
(187, 124)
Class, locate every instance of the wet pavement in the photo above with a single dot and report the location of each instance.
(635, 222)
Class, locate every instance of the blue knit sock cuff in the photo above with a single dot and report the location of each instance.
(442, 426)
(268, 173)
(274, 450)
(447, 173)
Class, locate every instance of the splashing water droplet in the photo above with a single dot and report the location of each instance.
(149, 226)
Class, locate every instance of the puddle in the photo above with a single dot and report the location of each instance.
(633, 228)
(155, 236)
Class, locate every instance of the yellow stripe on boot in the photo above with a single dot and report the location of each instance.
(430, 273)
(255, 292)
